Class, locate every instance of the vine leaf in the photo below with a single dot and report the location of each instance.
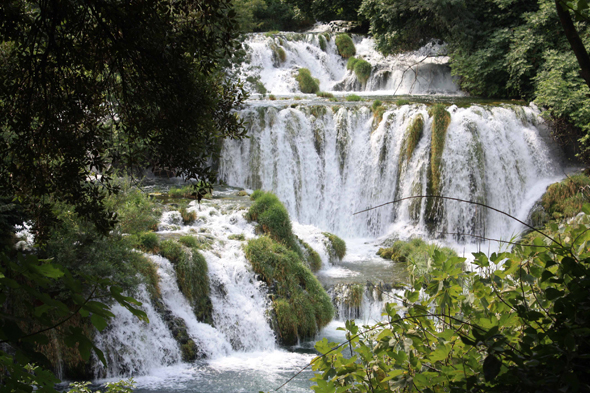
(491, 367)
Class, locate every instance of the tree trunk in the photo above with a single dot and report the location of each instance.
(575, 42)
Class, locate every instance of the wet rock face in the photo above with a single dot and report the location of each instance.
(342, 26)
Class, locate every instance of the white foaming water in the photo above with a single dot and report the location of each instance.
(210, 341)
(425, 71)
(326, 164)
(132, 347)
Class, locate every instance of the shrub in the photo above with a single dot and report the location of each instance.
(301, 304)
(338, 245)
(307, 84)
(149, 241)
(188, 217)
(353, 97)
(272, 97)
(189, 241)
(362, 70)
(345, 45)
(518, 322)
(172, 251)
(350, 63)
(323, 94)
(565, 199)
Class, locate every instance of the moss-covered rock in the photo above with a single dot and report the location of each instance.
(565, 199)
(441, 119)
(335, 245)
(362, 70)
(307, 83)
(345, 46)
(312, 258)
(273, 219)
(301, 304)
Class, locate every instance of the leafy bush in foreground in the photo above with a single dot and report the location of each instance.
(517, 323)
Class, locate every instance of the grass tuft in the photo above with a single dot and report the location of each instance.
(323, 94)
(565, 199)
(353, 97)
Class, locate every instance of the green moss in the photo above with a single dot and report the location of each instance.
(282, 55)
(301, 304)
(314, 261)
(362, 70)
(323, 94)
(440, 122)
(240, 237)
(338, 244)
(149, 271)
(307, 84)
(565, 199)
(172, 251)
(351, 62)
(402, 102)
(413, 135)
(378, 115)
(376, 104)
(193, 282)
(257, 194)
(271, 33)
(272, 97)
(273, 219)
(353, 97)
(333, 99)
(345, 45)
(355, 296)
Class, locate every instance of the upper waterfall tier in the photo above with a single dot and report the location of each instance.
(273, 60)
(327, 162)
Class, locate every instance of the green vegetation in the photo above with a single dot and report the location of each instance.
(416, 253)
(412, 137)
(376, 104)
(300, 303)
(193, 281)
(362, 70)
(440, 122)
(338, 245)
(188, 217)
(273, 219)
(272, 97)
(313, 259)
(271, 16)
(307, 83)
(518, 323)
(149, 242)
(323, 94)
(189, 241)
(172, 251)
(256, 84)
(327, 10)
(351, 62)
(353, 97)
(566, 198)
(402, 102)
(239, 236)
(345, 45)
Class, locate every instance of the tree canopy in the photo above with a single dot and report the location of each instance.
(92, 86)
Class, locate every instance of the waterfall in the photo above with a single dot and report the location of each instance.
(273, 60)
(327, 162)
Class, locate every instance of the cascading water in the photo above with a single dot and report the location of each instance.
(273, 60)
(327, 162)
